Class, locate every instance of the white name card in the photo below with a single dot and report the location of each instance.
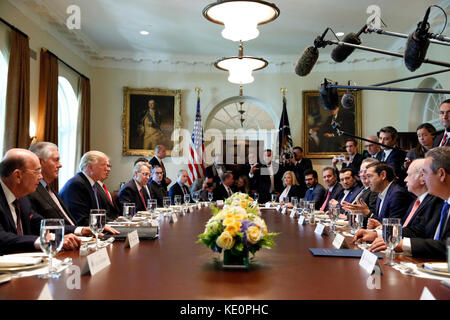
(132, 239)
(96, 262)
(191, 209)
(292, 215)
(368, 261)
(283, 211)
(339, 242)
(46, 294)
(219, 202)
(278, 207)
(301, 220)
(267, 205)
(427, 295)
(173, 218)
(320, 229)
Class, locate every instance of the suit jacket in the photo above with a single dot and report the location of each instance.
(295, 191)
(437, 140)
(422, 234)
(426, 210)
(395, 203)
(254, 180)
(299, 170)
(176, 190)
(220, 193)
(370, 198)
(316, 194)
(154, 162)
(78, 194)
(350, 196)
(396, 159)
(335, 194)
(42, 202)
(112, 210)
(129, 194)
(264, 183)
(211, 171)
(355, 164)
(158, 192)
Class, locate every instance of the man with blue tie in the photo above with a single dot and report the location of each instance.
(436, 173)
(179, 188)
(316, 192)
(80, 193)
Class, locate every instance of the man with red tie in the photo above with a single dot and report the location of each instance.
(334, 187)
(179, 188)
(112, 211)
(134, 191)
(20, 172)
(444, 116)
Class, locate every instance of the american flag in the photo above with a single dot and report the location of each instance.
(284, 132)
(196, 149)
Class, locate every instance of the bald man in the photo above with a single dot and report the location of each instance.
(20, 172)
(372, 148)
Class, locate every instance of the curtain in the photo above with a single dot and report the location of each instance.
(84, 119)
(17, 115)
(47, 127)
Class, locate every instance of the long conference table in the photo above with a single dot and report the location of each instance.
(175, 267)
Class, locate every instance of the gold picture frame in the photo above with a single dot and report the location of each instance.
(146, 124)
(317, 141)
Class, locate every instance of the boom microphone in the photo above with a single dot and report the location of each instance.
(341, 52)
(309, 56)
(417, 44)
(328, 96)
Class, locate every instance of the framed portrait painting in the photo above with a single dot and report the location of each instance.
(320, 139)
(150, 117)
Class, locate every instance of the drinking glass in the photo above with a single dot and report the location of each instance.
(151, 205)
(392, 234)
(196, 197)
(310, 208)
(256, 196)
(274, 199)
(210, 196)
(129, 210)
(333, 213)
(355, 221)
(187, 199)
(97, 221)
(302, 205)
(166, 202)
(178, 200)
(52, 239)
(294, 201)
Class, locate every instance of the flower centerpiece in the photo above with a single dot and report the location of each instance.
(237, 229)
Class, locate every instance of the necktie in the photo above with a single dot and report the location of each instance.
(184, 189)
(444, 213)
(142, 198)
(19, 221)
(107, 193)
(377, 208)
(56, 201)
(94, 187)
(444, 140)
(383, 155)
(411, 214)
(322, 208)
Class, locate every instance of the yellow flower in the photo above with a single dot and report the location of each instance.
(233, 228)
(225, 241)
(253, 234)
(228, 220)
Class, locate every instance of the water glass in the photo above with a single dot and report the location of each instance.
(355, 220)
(196, 197)
(129, 210)
(52, 239)
(274, 198)
(166, 202)
(392, 234)
(333, 213)
(97, 221)
(302, 205)
(187, 199)
(177, 200)
(294, 201)
(256, 196)
(210, 196)
(310, 209)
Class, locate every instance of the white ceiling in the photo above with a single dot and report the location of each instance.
(179, 32)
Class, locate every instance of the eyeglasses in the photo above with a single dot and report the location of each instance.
(145, 174)
(36, 172)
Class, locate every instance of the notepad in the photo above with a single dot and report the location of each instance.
(332, 252)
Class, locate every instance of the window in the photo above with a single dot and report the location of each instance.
(432, 104)
(67, 129)
(3, 82)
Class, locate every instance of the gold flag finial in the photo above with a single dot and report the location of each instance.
(198, 90)
(283, 91)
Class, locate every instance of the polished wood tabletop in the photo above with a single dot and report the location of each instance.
(176, 267)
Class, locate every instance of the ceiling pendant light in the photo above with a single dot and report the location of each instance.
(241, 17)
(241, 67)
(241, 111)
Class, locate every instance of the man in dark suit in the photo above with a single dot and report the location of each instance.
(299, 165)
(394, 157)
(20, 172)
(223, 190)
(216, 170)
(316, 192)
(351, 187)
(206, 187)
(354, 159)
(179, 188)
(134, 191)
(416, 239)
(252, 170)
(443, 139)
(157, 160)
(80, 193)
(393, 200)
(334, 187)
(373, 149)
(156, 188)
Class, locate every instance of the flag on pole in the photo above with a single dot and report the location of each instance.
(284, 132)
(196, 149)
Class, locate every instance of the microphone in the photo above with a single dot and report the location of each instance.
(348, 99)
(417, 44)
(309, 56)
(341, 52)
(328, 96)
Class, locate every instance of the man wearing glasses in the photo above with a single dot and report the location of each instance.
(134, 191)
(157, 190)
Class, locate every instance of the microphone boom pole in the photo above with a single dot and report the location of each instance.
(441, 39)
(418, 90)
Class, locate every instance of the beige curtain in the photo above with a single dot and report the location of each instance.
(17, 115)
(84, 118)
(47, 127)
